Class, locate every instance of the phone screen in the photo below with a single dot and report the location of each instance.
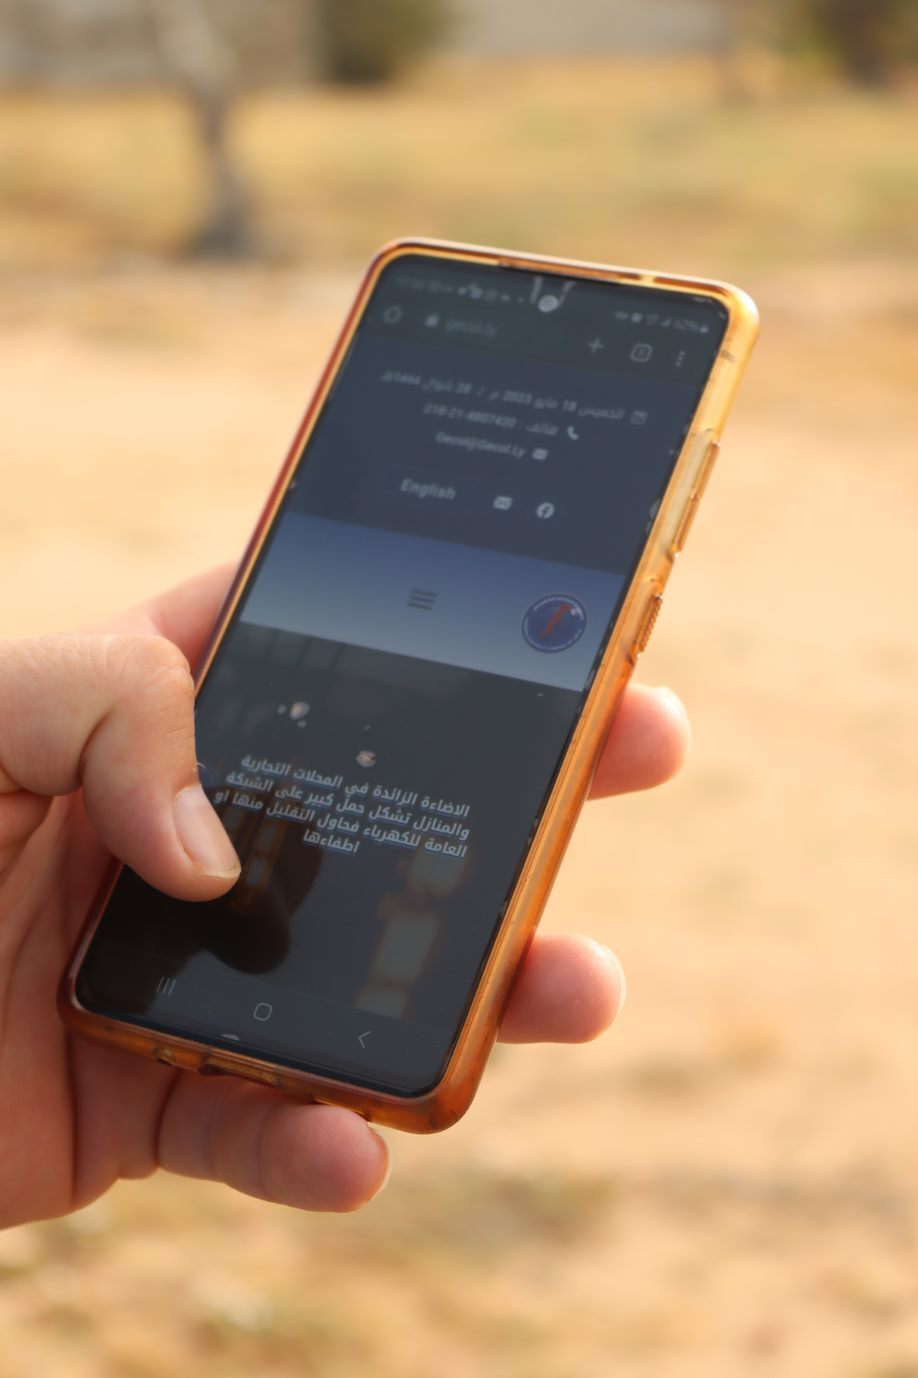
(381, 725)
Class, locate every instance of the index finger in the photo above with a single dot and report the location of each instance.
(185, 614)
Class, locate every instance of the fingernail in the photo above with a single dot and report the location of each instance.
(622, 980)
(670, 694)
(202, 834)
(385, 1143)
(673, 699)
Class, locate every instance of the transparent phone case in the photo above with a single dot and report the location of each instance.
(442, 1106)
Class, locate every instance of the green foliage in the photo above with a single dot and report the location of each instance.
(869, 39)
(373, 41)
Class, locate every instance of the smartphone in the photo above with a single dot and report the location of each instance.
(409, 686)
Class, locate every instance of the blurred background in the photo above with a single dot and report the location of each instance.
(188, 193)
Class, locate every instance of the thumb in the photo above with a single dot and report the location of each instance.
(115, 715)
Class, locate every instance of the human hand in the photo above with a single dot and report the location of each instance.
(97, 757)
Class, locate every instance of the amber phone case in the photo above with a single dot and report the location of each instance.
(446, 1102)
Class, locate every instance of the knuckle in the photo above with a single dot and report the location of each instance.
(148, 671)
(149, 661)
(122, 667)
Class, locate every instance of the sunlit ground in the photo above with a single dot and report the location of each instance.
(729, 1183)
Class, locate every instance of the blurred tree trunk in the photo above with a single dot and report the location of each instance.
(740, 29)
(861, 31)
(201, 63)
(20, 22)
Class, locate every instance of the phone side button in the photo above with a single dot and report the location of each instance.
(691, 507)
(651, 614)
(707, 464)
(680, 535)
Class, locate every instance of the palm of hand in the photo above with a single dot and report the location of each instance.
(76, 1116)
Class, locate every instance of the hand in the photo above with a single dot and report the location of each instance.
(97, 757)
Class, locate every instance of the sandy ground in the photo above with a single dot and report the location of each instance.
(729, 1183)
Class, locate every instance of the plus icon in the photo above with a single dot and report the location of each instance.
(595, 346)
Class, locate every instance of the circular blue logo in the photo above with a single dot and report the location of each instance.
(554, 622)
